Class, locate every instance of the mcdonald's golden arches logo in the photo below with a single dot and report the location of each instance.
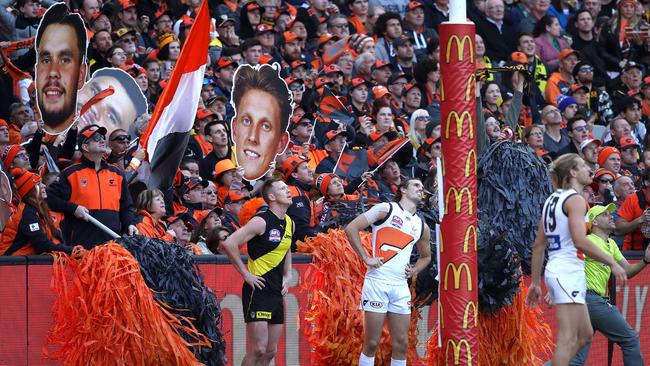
(456, 272)
(458, 196)
(470, 229)
(440, 314)
(474, 307)
(456, 349)
(471, 81)
(460, 119)
(460, 48)
(470, 154)
(442, 90)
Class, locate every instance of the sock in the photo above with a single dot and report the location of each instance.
(366, 361)
(394, 362)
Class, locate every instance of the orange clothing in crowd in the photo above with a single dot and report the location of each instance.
(149, 227)
(553, 88)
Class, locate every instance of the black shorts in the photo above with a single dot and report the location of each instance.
(262, 306)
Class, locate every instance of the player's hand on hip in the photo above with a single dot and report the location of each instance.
(373, 262)
(255, 282)
(619, 273)
(534, 295)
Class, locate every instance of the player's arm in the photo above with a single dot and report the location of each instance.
(360, 223)
(424, 249)
(256, 226)
(576, 210)
(286, 271)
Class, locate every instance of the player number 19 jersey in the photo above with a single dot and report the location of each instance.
(563, 256)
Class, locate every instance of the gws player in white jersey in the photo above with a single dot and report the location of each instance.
(395, 229)
(562, 230)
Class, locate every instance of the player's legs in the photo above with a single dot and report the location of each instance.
(274, 332)
(574, 331)
(257, 334)
(399, 325)
(373, 325)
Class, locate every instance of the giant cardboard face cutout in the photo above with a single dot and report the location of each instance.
(61, 44)
(263, 106)
(118, 109)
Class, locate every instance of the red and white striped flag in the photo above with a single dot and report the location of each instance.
(173, 117)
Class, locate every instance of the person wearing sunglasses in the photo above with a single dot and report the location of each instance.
(602, 187)
(578, 130)
(92, 187)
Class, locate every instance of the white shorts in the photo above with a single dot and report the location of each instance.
(381, 297)
(568, 289)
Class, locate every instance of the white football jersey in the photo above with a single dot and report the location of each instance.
(393, 239)
(563, 256)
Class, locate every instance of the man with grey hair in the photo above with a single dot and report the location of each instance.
(363, 65)
(497, 32)
(337, 25)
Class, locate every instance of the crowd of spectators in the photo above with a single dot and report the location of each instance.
(586, 90)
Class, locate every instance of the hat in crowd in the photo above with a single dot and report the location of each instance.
(234, 196)
(379, 64)
(401, 41)
(203, 113)
(360, 81)
(326, 37)
(24, 180)
(397, 75)
(597, 210)
(121, 32)
(3, 123)
(224, 62)
(89, 131)
(582, 65)
(605, 153)
(9, 154)
(162, 12)
(290, 165)
(252, 5)
(626, 142)
(331, 135)
(185, 218)
(192, 183)
(576, 87)
(211, 101)
(633, 65)
(290, 80)
(166, 38)
(290, 36)
(322, 81)
(133, 70)
(323, 182)
(125, 4)
(414, 5)
(564, 101)
(297, 63)
(264, 28)
(586, 143)
(357, 41)
(407, 88)
(379, 91)
(223, 19)
(223, 166)
(519, 57)
(332, 69)
(390, 135)
(568, 52)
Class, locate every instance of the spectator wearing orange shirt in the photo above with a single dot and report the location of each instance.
(634, 218)
(560, 81)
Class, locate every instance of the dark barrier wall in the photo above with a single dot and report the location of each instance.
(26, 299)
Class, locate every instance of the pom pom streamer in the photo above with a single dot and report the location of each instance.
(170, 273)
(105, 314)
(334, 281)
(515, 335)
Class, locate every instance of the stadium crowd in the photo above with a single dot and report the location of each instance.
(585, 90)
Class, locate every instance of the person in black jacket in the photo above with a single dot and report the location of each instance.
(94, 188)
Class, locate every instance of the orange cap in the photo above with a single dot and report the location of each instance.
(24, 180)
(323, 182)
(223, 166)
(291, 164)
(605, 153)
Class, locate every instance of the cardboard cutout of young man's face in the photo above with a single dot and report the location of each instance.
(116, 111)
(60, 73)
(257, 131)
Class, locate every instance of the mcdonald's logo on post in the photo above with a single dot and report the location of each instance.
(470, 229)
(460, 119)
(460, 48)
(456, 273)
(458, 196)
(471, 81)
(442, 90)
(470, 154)
(456, 348)
(471, 304)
